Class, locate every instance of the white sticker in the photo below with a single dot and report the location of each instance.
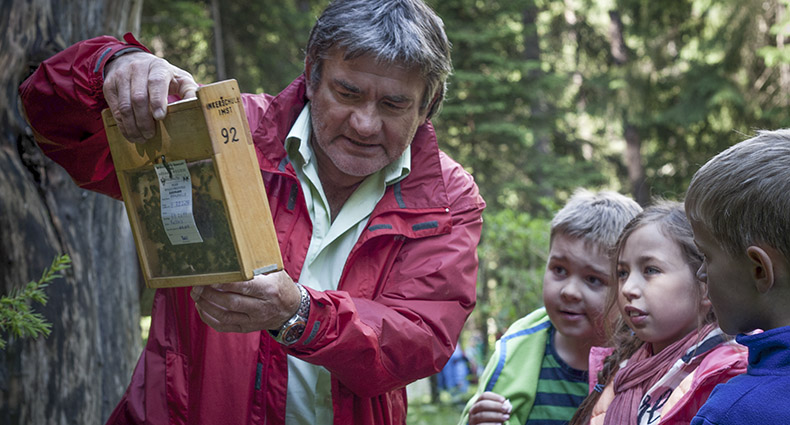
(175, 190)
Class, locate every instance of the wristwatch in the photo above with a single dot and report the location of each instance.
(294, 327)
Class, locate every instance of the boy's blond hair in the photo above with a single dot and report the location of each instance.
(596, 217)
(742, 195)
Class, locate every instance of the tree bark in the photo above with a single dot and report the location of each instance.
(633, 151)
(539, 108)
(636, 169)
(78, 373)
(219, 46)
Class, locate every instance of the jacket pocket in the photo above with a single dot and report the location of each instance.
(177, 388)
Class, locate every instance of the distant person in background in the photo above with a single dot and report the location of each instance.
(539, 369)
(454, 377)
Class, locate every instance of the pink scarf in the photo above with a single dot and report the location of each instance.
(641, 372)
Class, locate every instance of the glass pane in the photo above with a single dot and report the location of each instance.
(215, 254)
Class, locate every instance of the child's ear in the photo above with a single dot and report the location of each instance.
(761, 268)
(705, 302)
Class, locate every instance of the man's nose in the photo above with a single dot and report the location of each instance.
(365, 120)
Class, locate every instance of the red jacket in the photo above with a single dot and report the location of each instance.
(406, 289)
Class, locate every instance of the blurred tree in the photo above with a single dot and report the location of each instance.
(503, 116)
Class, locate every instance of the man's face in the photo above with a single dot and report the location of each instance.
(364, 114)
(729, 284)
(574, 289)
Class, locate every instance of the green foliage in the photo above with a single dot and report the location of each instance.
(265, 40)
(442, 413)
(16, 316)
(513, 257)
(182, 31)
(504, 115)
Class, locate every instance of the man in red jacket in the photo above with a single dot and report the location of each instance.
(377, 227)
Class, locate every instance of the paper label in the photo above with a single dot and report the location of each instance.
(175, 191)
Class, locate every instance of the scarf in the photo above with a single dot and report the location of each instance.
(642, 371)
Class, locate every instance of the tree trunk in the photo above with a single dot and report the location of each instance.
(78, 373)
(219, 46)
(633, 161)
(539, 108)
(633, 151)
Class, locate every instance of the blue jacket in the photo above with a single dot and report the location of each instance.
(760, 396)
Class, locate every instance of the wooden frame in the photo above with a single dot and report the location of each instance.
(219, 231)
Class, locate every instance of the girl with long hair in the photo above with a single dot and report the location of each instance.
(668, 351)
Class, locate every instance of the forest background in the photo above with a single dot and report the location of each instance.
(546, 96)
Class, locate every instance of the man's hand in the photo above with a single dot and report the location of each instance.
(263, 303)
(490, 408)
(136, 86)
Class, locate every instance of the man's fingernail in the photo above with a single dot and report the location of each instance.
(159, 114)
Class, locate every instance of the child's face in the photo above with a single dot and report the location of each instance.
(658, 293)
(728, 281)
(574, 289)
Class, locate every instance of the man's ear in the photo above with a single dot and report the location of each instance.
(761, 268)
(432, 107)
(308, 69)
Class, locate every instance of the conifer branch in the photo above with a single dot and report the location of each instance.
(16, 317)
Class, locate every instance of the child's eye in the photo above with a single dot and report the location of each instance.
(622, 274)
(651, 270)
(595, 281)
(558, 270)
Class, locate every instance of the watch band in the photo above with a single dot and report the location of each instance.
(294, 327)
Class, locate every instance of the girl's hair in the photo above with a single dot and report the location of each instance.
(672, 223)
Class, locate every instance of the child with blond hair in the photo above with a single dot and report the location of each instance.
(538, 371)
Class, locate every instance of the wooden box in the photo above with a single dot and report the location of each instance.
(194, 193)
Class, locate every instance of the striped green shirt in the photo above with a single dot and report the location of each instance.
(561, 389)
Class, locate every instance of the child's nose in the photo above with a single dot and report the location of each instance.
(630, 288)
(571, 290)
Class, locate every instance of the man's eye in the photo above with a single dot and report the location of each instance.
(394, 106)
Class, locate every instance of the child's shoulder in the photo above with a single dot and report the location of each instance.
(534, 322)
(748, 396)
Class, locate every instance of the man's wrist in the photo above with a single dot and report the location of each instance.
(119, 53)
(294, 327)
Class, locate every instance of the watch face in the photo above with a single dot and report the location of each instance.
(293, 332)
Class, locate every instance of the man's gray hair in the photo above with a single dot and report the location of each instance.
(597, 218)
(403, 32)
(742, 195)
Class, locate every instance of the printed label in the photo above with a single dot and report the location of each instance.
(175, 189)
